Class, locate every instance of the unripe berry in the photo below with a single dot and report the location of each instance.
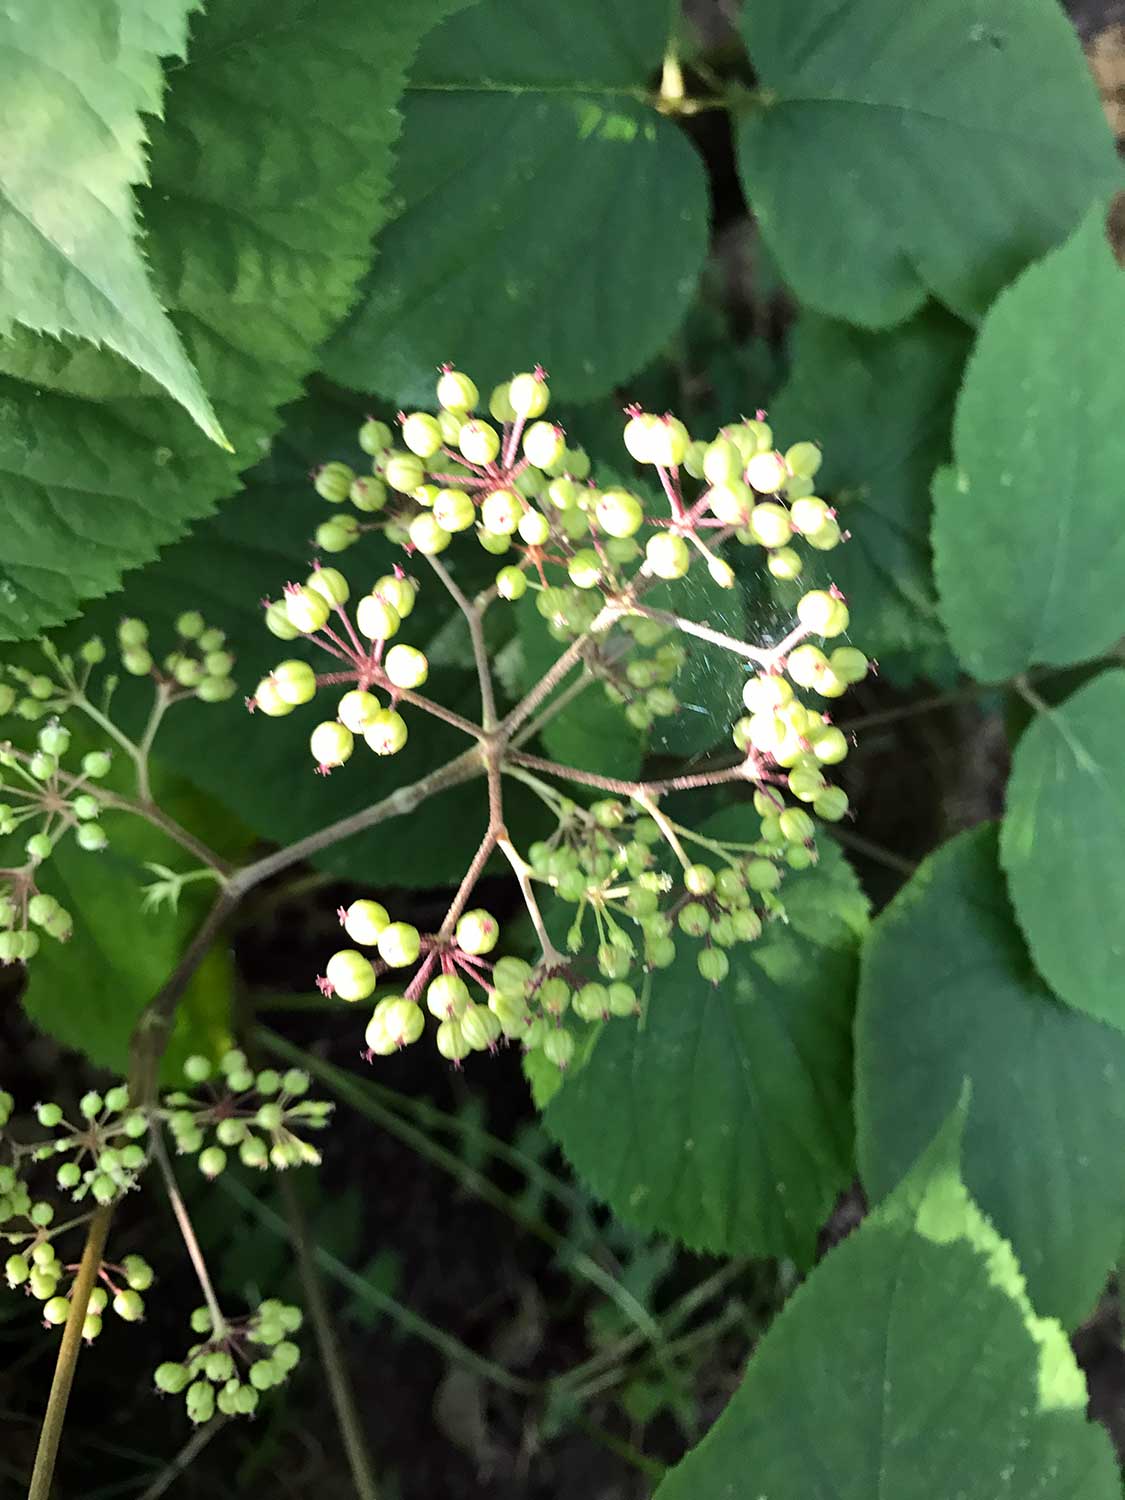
(364, 921)
(68, 1176)
(585, 569)
(785, 563)
(54, 739)
(806, 665)
(809, 513)
(17, 1270)
(534, 528)
(421, 434)
(501, 512)
(171, 1378)
(699, 879)
(477, 932)
(831, 804)
(563, 493)
(618, 513)
(806, 785)
(591, 1002)
(544, 444)
(278, 622)
(92, 838)
(129, 1305)
(350, 975)
(130, 633)
(137, 662)
(451, 1042)
(766, 693)
(574, 524)
(800, 856)
(732, 502)
(713, 965)
(796, 825)
(294, 682)
(797, 487)
(454, 510)
(613, 960)
(494, 542)
(330, 584)
(511, 583)
(428, 535)
(480, 1028)
(368, 494)
(478, 441)
(201, 1401)
(40, 910)
(402, 471)
(848, 664)
(668, 442)
(332, 482)
(447, 996)
(500, 406)
(822, 613)
(56, 1310)
(827, 537)
(399, 945)
(456, 392)
(39, 847)
(830, 745)
(766, 472)
(558, 1047)
(400, 593)
(694, 919)
(387, 732)
(769, 524)
(375, 619)
(803, 458)
(43, 766)
(331, 744)
(396, 1021)
(406, 667)
(253, 1153)
(638, 437)
(450, 423)
(528, 395)
(306, 609)
(357, 709)
(510, 976)
(667, 556)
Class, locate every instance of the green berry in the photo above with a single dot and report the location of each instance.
(48, 1115)
(130, 633)
(591, 1002)
(477, 932)
(56, 1310)
(528, 395)
(201, 1401)
(558, 1047)
(376, 619)
(451, 1043)
(368, 494)
(171, 1378)
(618, 513)
(138, 1272)
(478, 441)
(406, 667)
(480, 1028)
(399, 945)
(68, 1176)
(713, 965)
(544, 444)
(699, 879)
(137, 662)
(830, 804)
(766, 472)
(511, 583)
(91, 837)
(667, 556)
(501, 512)
(428, 535)
(848, 664)
(456, 392)
(387, 732)
(332, 482)
(350, 975)
(364, 920)
(447, 997)
(129, 1306)
(823, 613)
(785, 563)
(454, 510)
(331, 745)
(358, 709)
(732, 503)
(306, 609)
(17, 1270)
(510, 976)
(422, 434)
(375, 437)
(86, 806)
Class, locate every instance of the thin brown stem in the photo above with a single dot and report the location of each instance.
(156, 815)
(51, 1431)
(642, 790)
(476, 634)
(187, 1230)
(339, 1386)
(472, 875)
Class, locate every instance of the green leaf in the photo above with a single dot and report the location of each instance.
(885, 156)
(547, 212)
(1063, 846)
(947, 994)
(591, 734)
(88, 992)
(724, 1116)
(268, 176)
(76, 79)
(1028, 544)
(881, 405)
(912, 1365)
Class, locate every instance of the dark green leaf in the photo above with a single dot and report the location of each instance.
(724, 1117)
(947, 993)
(880, 404)
(1028, 542)
(912, 1365)
(1063, 846)
(886, 156)
(547, 212)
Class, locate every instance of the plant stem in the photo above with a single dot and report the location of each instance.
(765, 654)
(50, 1432)
(476, 634)
(156, 815)
(339, 1387)
(185, 1458)
(522, 871)
(187, 1229)
(642, 790)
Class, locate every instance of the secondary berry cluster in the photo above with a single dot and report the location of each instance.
(237, 1359)
(258, 1114)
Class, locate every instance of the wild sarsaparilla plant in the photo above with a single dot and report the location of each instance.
(629, 880)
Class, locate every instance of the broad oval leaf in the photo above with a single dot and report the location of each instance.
(548, 213)
(886, 155)
(1029, 548)
(1063, 846)
(724, 1118)
(910, 1364)
(947, 993)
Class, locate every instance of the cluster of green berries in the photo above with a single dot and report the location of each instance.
(237, 1360)
(364, 662)
(258, 1114)
(42, 1275)
(99, 1156)
(199, 663)
(514, 1002)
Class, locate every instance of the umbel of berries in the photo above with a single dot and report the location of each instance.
(495, 471)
